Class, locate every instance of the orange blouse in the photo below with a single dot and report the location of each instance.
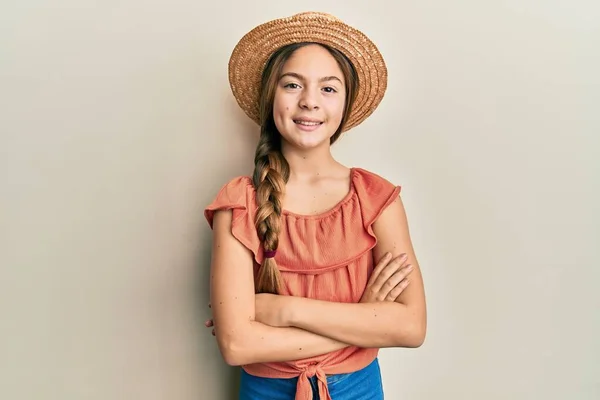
(328, 256)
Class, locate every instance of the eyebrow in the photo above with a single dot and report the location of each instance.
(300, 77)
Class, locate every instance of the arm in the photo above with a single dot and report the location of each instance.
(242, 339)
(382, 324)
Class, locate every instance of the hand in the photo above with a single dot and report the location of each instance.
(210, 323)
(388, 280)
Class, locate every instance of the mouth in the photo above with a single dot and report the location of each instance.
(307, 122)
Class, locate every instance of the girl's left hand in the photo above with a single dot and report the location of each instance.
(210, 323)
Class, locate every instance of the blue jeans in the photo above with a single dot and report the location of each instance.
(364, 384)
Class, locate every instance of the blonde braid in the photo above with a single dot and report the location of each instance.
(270, 175)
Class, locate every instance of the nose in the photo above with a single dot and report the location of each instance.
(308, 100)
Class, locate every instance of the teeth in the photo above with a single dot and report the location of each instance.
(307, 123)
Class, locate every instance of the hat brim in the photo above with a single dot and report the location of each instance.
(252, 52)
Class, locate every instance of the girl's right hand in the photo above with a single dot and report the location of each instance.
(388, 280)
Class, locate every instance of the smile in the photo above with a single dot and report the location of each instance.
(307, 123)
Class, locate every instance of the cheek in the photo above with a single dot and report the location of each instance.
(337, 109)
(280, 111)
(280, 106)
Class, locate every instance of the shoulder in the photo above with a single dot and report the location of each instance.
(236, 184)
(374, 192)
(369, 182)
(235, 194)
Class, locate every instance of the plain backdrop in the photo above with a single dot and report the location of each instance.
(118, 127)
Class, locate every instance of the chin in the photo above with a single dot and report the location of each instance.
(306, 139)
(310, 145)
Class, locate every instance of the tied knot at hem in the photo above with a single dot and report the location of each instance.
(304, 387)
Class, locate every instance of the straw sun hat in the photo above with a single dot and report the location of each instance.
(252, 52)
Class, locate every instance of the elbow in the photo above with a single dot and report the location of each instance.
(419, 334)
(231, 354)
(236, 344)
(233, 351)
(230, 357)
(413, 337)
(417, 339)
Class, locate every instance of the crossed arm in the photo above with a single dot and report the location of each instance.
(303, 327)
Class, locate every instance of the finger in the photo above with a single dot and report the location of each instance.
(208, 323)
(213, 332)
(393, 281)
(383, 261)
(398, 290)
(386, 267)
(391, 268)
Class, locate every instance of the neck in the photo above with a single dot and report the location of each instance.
(307, 164)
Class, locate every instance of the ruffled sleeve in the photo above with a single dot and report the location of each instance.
(375, 194)
(238, 195)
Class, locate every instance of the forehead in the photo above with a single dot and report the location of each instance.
(313, 61)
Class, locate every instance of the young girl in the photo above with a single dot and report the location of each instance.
(313, 269)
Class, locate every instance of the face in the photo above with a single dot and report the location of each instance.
(309, 98)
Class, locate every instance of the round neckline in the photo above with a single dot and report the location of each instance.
(333, 209)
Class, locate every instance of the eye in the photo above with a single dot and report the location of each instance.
(329, 89)
(291, 85)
